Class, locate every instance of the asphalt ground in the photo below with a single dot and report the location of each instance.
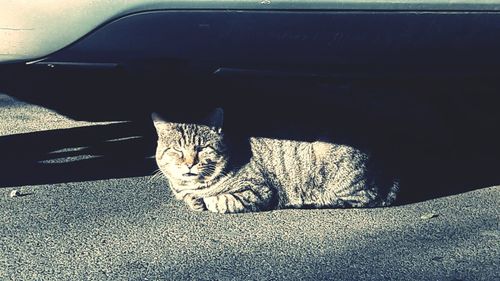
(89, 210)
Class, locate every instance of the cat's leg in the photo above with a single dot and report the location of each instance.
(352, 191)
(251, 198)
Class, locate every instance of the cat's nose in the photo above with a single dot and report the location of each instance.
(191, 161)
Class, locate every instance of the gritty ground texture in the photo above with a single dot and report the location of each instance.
(19, 117)
(131, 228)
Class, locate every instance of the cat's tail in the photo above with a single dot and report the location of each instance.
(391, 195)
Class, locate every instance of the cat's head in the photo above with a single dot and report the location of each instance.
(191, 155)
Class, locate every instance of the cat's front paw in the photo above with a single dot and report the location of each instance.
(223, 203)
(195, 203)
(211, 203)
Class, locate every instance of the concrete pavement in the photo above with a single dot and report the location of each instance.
(79, 219)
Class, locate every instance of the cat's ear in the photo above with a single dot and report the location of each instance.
(215, 119)
(159, 122)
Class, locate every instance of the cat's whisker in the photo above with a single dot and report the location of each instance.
(156, 175)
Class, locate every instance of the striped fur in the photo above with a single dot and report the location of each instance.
(280, 173)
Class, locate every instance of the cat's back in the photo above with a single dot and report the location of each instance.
(298, 160)
(279, 151)
(310, 152)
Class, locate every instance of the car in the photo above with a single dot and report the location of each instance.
(242, 37)
(269, 48)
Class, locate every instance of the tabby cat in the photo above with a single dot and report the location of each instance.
(197, 163)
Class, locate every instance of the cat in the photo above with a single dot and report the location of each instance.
(196, 161)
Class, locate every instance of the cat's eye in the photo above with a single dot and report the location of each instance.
(205, 149)
(174, 151)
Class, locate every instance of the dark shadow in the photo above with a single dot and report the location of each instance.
(106, 94)
(78, 154)
(438, 134)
